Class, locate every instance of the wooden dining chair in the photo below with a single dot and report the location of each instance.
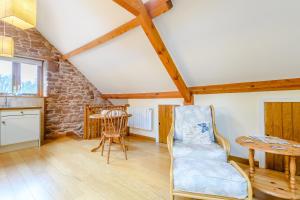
(115, 127)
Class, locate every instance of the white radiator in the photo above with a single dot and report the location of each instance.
(142, 118)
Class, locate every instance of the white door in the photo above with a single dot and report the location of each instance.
(16, 129)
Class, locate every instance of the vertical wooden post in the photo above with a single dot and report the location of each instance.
(85, 122)
(251, 163)
(293, 172)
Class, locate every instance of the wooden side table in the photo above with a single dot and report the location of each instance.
(282, 185)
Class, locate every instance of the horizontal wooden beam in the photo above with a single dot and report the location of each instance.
(154, 7)
(258, 86)
(152, 95)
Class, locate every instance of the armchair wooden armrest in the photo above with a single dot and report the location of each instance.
(242, 172)
(170, 139)
(219, 138)
(223, 143)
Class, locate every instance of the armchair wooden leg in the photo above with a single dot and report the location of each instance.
(110, 141)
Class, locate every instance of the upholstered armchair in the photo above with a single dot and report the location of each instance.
(199, 158)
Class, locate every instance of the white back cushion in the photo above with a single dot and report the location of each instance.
(193, 124)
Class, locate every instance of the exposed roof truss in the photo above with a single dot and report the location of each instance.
(137, 8)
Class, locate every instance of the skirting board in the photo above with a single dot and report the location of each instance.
(19, 146)
(142, 136)
(242, 160)
(60, 135)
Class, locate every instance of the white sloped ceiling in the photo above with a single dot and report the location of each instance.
(211, 41)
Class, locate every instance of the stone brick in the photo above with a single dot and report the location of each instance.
(68, 89)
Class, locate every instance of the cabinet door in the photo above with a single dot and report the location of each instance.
(16, 129)
(282, 119)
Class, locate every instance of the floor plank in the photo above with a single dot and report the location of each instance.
(65, 169)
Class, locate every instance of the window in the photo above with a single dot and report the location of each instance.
(20, 76)
(29, 79)
(5, 76)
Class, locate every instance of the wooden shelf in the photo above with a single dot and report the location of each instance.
(274, 183)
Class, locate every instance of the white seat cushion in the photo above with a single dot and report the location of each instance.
(208, 177)
(199, 151)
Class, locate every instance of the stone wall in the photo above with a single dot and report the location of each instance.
(67, 89)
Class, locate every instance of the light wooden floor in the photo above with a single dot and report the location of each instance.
(65, 169)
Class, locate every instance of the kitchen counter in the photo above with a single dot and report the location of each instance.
(19, 108)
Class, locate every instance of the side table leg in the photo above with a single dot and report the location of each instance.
(286, 166)
(251, 163)
(293, 172)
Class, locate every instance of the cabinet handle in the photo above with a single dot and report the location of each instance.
(22, 112)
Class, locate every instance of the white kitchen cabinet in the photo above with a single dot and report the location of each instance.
(19, 126)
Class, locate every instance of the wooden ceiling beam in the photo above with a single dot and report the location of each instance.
(158, 7)
(152, 95)
(104, 38)
(154, 7)
(258, 86)
(131, 6)
(160, 48)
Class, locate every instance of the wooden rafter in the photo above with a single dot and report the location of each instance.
(152, 95)
(154, 7)
(131, 6)
(159, 46)
(258, 86)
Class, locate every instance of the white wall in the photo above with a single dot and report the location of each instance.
(236, 114)
(242, 114)
(217, 42)
(152, 103)
(119, 101)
